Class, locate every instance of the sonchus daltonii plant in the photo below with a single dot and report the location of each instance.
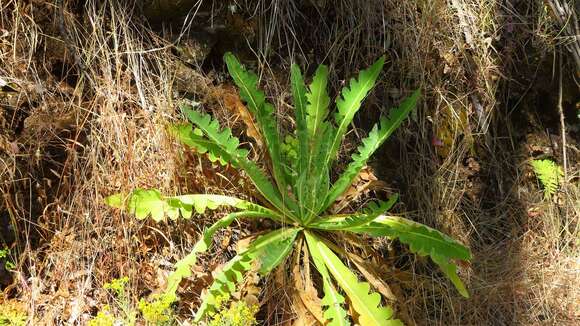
(297, 195)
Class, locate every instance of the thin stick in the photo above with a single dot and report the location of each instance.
(562, 124)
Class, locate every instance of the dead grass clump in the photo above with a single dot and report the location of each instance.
(94, 96)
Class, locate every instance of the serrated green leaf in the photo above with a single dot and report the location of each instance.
(423, 241)
(313, 178)
(232, 273)
(150, 202)
(224, 284)
(367, 305)
(264, 113)
(314, 184)
(194, 138)
(183, 266)
(300, 103)
(238, 157)
(318, 100)
(349, 221)
(220, 137)
(276, 252)
(350, 102)
(450, 270)
(332, 300)
(375, 139)
(334, 312)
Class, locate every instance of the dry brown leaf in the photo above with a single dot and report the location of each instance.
(233, 103)
(249, 290)
(303, 317)
(371, 276)
(306, 291)
(362, 184)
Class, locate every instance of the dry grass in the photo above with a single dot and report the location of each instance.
(95, 88)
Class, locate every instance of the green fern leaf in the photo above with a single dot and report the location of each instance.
(349, 103)
(313, 179)
(367, 305)
(233, 272)
(221, 138)
(264, 113)
(228, 146)
(376, 138)
(422, 240)
(150, 202)
(333, 301)
(549, 174)
(224, 284)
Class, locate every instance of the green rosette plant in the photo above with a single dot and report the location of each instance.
(297, 195)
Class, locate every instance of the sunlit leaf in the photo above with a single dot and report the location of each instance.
(366, 303)
(233, 272)
(422, 240)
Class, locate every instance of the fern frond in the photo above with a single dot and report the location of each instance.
(423, 241)
(263, 111)
(233, 272)
(222, 138)
(333, 301)
(224, 284)
(150, 202)
(313, 178)
(381, 206)
(350, 102)
(549, 174)
(375, 139)
(367, 305)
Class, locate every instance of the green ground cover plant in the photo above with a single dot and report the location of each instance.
(549, 174)
(297, 196)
